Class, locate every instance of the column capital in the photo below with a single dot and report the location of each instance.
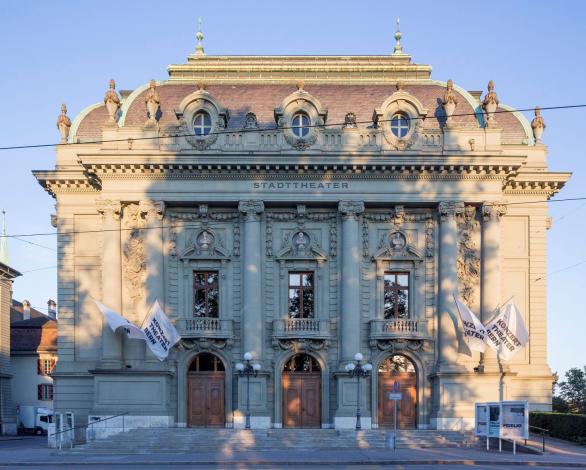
(109, 208)
(493, 211)
(152, 210)
(450, 209)
(251, 208)
(351, 208)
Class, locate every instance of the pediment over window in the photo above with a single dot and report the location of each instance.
(204, 244)
(397, 245)
(301, 245)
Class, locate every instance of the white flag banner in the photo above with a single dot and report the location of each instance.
(473, 329)
(115, 320)
(507, 334)
(160, 333)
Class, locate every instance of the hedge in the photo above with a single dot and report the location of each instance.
(571, 427)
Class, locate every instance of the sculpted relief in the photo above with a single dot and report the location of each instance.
(134, 254)
(468, 263)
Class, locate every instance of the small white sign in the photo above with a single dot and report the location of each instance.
(395, 396)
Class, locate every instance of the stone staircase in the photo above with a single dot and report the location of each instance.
(190, 440)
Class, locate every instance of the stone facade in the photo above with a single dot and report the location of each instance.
(207, 171)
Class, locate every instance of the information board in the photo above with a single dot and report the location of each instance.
(505, 419)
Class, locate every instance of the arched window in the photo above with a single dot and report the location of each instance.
(396, 364)
(400, 125)
(302, 363)
(202, 124)
(206, 362)
(300, 125)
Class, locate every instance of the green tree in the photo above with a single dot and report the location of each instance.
(573, 390)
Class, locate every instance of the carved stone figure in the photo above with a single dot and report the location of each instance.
(538, 125)
(112, 102)
(152, 101)
(204, 240)
(63, 124)
(350, 121)
(397, 241)
(300, 241)
(134, 261)
(490, 104)
(450, 101)
(250, 122)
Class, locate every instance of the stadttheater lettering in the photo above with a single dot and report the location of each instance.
(301, 186)
(274, 232)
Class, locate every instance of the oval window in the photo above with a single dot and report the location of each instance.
(202, 124)
(400, 125)
(300, 125)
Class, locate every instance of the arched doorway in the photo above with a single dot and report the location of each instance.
(205, 391)
(399, 369)
(302, 392)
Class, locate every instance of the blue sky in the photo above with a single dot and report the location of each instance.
(66, 51)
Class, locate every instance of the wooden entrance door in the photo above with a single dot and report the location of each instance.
(206, 399)
(406, 407)
(302, 399)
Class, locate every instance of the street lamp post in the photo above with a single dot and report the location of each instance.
(358, 369)
(246, 370)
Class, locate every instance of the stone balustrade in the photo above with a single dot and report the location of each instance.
(301, 328)
(206, 328)
(399, 328)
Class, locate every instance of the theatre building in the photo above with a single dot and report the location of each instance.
(303, 209)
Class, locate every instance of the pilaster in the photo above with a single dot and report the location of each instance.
(111, 280)
(252, 325)
(350, 284)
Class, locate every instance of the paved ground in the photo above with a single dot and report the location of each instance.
(31, 453)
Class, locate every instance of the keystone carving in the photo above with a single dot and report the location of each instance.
(63, 124)
(112, 102)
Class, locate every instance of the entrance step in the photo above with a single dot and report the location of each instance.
(189, 440)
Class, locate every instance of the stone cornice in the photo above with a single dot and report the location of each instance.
(289, 69)
(66, 181)
(538, 182)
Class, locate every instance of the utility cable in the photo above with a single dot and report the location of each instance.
(277, 128)
(187, 225)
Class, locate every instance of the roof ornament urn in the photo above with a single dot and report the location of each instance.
(112, 102)
(538, 125)
(63, 124)
(450, 101)
(152, 101)
(490, 105)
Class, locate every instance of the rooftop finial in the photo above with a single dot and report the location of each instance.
(4, 241)
(398, 48)
(199, 36)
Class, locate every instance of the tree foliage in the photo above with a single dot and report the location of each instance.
(573, 390)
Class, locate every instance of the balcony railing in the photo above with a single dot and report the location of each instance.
(301, 328)
(399, 328)
(206, 328)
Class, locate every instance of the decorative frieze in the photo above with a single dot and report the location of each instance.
(468, 266)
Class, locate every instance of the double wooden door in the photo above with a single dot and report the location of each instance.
(406, 407)
(206, 399)
(302, 399)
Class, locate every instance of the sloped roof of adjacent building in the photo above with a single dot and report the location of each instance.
(37, 334)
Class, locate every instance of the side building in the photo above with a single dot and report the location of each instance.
(303, 209)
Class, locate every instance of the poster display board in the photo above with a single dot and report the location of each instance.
(504, 419)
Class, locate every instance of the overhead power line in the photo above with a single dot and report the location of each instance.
(277, 128)
(187, 225)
